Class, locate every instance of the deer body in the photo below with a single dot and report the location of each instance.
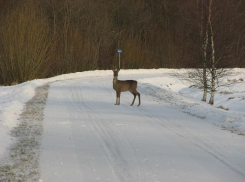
(123, 86)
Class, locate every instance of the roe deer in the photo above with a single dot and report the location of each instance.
(124, 85)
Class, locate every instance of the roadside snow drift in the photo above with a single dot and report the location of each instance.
(172, 136)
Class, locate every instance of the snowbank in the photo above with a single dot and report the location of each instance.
(13, 98)
(229, 107)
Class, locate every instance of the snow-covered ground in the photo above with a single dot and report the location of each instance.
(13, 99)
(172, 135)
(229, 98)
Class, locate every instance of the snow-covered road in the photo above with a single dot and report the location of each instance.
(88, 139)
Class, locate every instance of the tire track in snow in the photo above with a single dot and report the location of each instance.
(205, 141)
(118, 151)
(194, 136)
(197, 137)
(106, 134)
(139, 168)
(110, 90)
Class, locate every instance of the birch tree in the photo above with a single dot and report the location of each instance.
(213, 68)
(200, 75)
(204, 48)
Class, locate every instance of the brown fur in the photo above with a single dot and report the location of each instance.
(123, 86)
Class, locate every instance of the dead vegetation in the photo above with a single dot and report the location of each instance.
(22, 163)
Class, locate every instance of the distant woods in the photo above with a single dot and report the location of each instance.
(39, 39)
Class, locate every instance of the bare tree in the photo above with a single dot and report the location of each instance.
(84, 35)
(213, 38)
(213, 63)
(204, 37)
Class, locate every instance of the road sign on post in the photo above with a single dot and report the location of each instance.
(119, 51)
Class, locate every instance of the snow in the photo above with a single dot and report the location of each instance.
(172, 136)
(13, 99)
(228, 97)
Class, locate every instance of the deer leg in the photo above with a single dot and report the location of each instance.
(118, 97)
(139, 98)
(134, 98)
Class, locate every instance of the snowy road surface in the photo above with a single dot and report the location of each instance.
(88, 139)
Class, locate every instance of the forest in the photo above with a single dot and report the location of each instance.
(44, 38)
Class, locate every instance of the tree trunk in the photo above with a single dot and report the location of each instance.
(204, 34)
(205, 84)
(213, 68)
(211, 101)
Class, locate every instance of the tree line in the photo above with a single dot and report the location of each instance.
(39, 39)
